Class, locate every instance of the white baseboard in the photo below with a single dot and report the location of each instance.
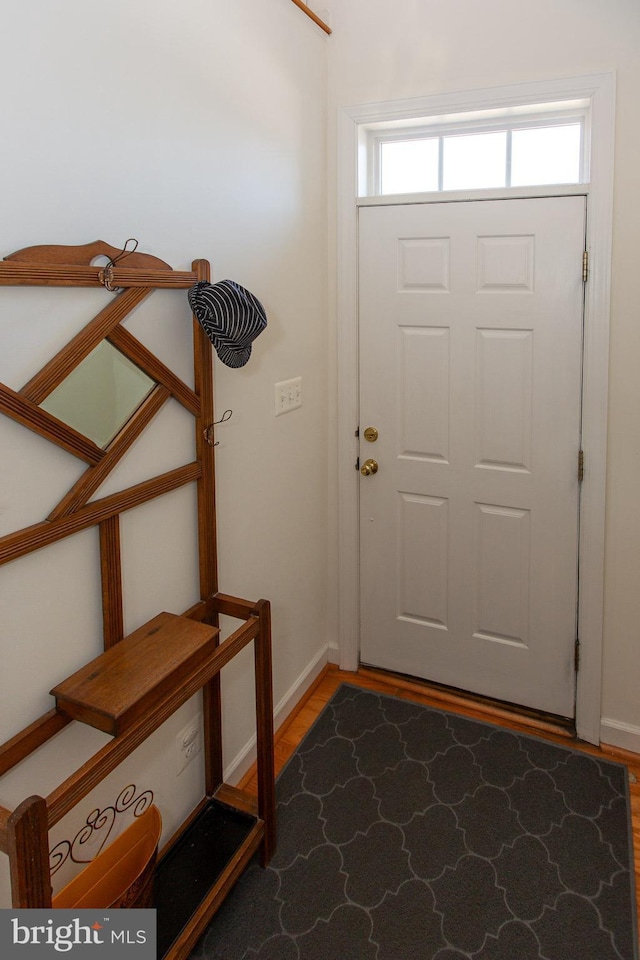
(618, 734)
(246, 757)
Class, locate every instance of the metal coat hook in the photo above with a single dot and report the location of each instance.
(106, 275)
(208, 431)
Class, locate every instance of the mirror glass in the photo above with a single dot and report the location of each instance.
(100, 394)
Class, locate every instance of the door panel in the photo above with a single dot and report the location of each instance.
(470, 369)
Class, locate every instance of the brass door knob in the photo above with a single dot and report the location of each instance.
(368, 467)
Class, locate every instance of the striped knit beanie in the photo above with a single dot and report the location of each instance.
(230, 316)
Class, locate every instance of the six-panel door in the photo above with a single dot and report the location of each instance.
(470, 370)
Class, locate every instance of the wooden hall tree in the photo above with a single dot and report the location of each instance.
(169, 659)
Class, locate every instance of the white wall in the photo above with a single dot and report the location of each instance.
(198, 128)
(382, 50)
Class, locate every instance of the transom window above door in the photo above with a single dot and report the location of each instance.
(535, 145)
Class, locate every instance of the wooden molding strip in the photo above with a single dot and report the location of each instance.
(70, 266)
(264, 731)
(233, 606)
(147, 361)
(316, 19)
(60, 366)
(29, 739)
(15, 274)
(176, 280)
(205, 452)
(15, 545)
(30, 415)
(207, 536)
(111, 578)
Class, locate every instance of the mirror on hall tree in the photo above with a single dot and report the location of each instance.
(100, 395)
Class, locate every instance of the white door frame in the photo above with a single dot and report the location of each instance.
(600, 90)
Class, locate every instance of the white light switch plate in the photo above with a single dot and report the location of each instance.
(288, 395)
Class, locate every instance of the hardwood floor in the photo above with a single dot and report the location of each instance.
(302, 717)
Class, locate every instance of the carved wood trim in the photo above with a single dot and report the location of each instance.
(154, 368)
(111, 578)
(31, 275)
(70, 266)
(19, 544)
(232, 606)
(176, 280)
(211, 693)
(67, 359)
(29, 739)
(264, 726)
(34, 418)
(83, 254)
(203, 379)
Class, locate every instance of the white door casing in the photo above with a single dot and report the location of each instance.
(470, 369)
(600, 91)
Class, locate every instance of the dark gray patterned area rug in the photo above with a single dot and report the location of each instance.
(409, 833)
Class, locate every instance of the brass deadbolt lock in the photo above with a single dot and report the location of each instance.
(369, 467)
(371, 434)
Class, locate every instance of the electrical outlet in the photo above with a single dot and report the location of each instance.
(188, 743)
(288, 395)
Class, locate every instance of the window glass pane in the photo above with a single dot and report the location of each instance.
(408, 166)
(474, 160)
(546, 155)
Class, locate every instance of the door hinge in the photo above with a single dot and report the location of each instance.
(580, 466)
(585, 266)
(576, 656)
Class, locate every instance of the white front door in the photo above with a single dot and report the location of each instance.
(470, 370)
